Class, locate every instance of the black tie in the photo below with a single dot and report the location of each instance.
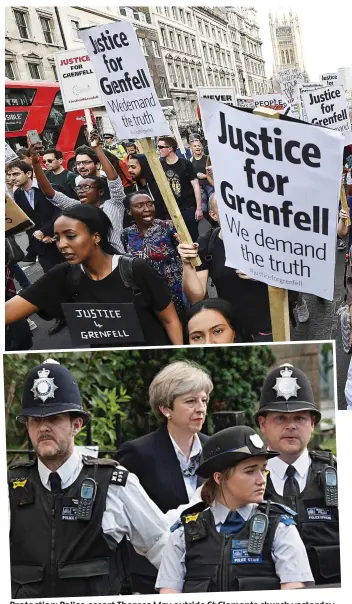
(55, 482)
(291, 486)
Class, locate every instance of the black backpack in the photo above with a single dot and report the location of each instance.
(125, 267)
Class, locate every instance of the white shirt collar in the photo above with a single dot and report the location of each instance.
(195, 450)
(220, 512)
(301, 465)
(65, 471)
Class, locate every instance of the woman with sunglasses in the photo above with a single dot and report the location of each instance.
(232, 540)
(82, 237)
(155, 240)
(90, 189)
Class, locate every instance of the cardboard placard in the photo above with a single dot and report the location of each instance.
(272, 101)
(223, 94)
(289, 80)
(277, 184)
(330, 79)
(126, 86)
(16, 220)
(327, 106)
(10, 154)
(78, 81)
(94, 324)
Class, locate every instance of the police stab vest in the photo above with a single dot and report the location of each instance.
(317, 523)
(218, 562)
(53, 554)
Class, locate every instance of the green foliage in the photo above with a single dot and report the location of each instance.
(114, 385)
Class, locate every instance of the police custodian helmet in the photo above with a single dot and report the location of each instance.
(50, 389)
(227, 447)
(287, 389)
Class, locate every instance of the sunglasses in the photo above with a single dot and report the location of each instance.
(163, 147)
(48, 161)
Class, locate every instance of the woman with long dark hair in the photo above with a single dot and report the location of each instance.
(82, 236)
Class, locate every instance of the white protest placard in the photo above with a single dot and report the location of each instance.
(78, 82)
(327, 106)
(272, 101)
(304, 88)
(223, 94)
(9, 153)
(277, 184)
(246, 102)
(330, 79)
(289, 79)
(125, 84)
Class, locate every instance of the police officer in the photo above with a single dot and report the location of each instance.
(69, 513)
(232, 540)
(305, 481)
(113, 146)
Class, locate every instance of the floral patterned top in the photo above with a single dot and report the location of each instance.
(158, 245)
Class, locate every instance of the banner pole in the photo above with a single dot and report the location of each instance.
(344, 204)
(146, 145)
(89, 122)
(278, 297)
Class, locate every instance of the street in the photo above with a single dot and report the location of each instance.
(322, 324)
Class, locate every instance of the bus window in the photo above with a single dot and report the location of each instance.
(19, 97)
(54, 123)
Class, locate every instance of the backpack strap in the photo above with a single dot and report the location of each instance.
(127, 275)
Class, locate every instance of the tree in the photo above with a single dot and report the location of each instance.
(114, 384)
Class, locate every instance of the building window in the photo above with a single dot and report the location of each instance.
(200, 26)
(194, 77)
(163, 37)
(213, 32)
(217, 53)
(127, 12)
(143, 45)
(211, 55)
(179, 75)
(207, 32)
(194, 46)
(54, 73)
(210, 79)
(172, 40)
(200, 77)
(180, 43)
(156, 50)
(187, 44)
(182, 15)
(9, 70)
(163, 87)
(205, 52)
(189, 19)
(187, 76)
(34, 71)
(46, 27)
(292, 56)
(174, 12)
(167, 13)
(172, 74)
(225, 38)
(22, 24)
(75, 29)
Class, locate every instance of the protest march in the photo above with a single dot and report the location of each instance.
(178, 300)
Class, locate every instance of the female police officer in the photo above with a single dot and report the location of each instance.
(69, 513)
(232, 540)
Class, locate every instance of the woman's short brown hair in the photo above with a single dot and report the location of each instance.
(176, 379)
(211, 489)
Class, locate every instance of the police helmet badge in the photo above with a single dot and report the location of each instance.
(256, 441)
(286, 385)
(43, 386)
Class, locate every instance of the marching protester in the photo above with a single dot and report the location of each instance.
(87, 165)
(156, 241)
(131, 149)
(143, 177)
(304, 480)
(93, 273)
(90, 189)
(183, 183)
(248, 298)
(169, 456)
(199, 161)
(56, 173)
(24, 155)
(30, 197)
(233, 540)
(210, 321)
(61, 545)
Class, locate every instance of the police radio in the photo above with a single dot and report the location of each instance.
(257, 533)
(86, 499)
(329, 476)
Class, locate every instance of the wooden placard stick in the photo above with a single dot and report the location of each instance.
(161, 180)
(344, 204)
(278, 298)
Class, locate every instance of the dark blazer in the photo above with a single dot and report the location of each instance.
(44, 213)
(153, 459)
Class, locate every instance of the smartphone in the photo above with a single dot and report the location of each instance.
(33, 137)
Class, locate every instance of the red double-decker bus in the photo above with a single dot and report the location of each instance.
(38, 106)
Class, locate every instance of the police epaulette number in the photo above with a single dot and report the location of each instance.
(119, 477)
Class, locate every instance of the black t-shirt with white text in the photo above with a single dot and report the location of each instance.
(55, 287)
(179, 176)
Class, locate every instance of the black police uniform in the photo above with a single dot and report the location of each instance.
(288, 389)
